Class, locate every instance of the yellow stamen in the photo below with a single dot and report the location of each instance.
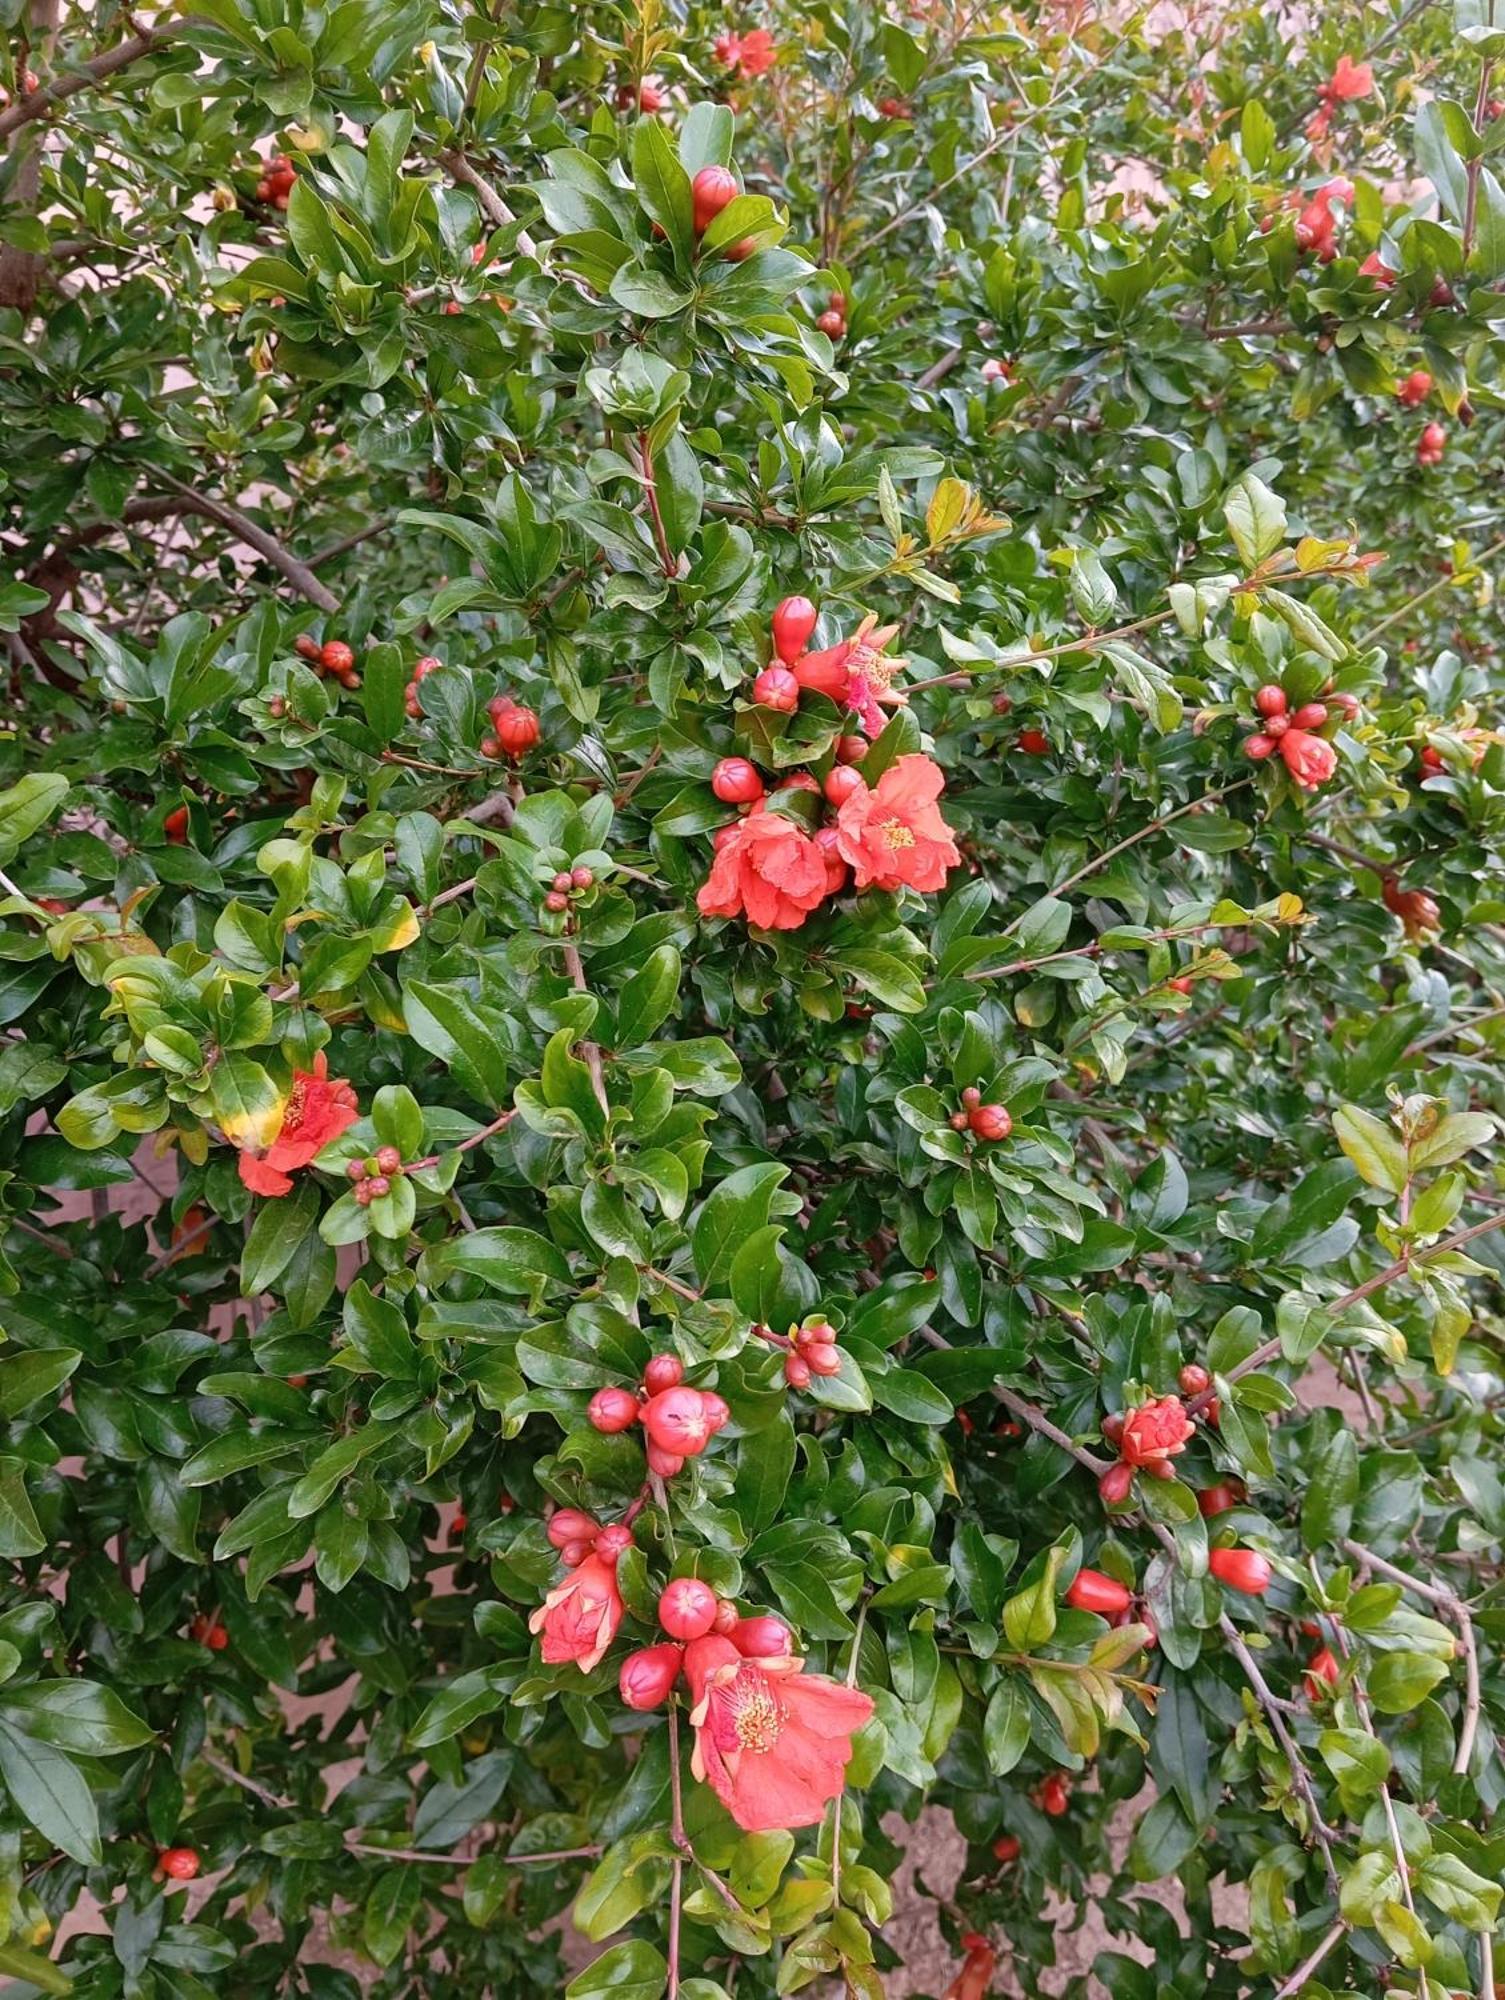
(896, 834)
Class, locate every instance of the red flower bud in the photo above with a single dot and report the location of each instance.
(613, 1410)
(571, 1554)
(971, 1097)
(517, 730)
(710, 191)
(851, 749)
(821, 1358)
(335, 657)
(664, 1463)
(776, 688)
(1112, 1428)
(796, 1371)
(180, 1864)
(1322, 1673)
(1113, 1487)
(736, 783)
(613, 1541)
(991, 1121)
(727, 1618)
(794, 619)
(1055, 1799)
(1311, 715)
(1243, 1570)
(762, 1638)
(842, 781)
(677, 1421)
(1259, 747)
(832, 324)
(1270, 700)
(687, 1608)
(648, 1675)
(1091, 1590)
(664, 1371)
(1035, 742)
(306, 647)
(568, 1524)
(1006, 1847)
(1215, 1500)
(1193, 1379)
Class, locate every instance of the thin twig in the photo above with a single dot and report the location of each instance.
(97, 70)
(590, 1050)
(262, 1792)
(297, 573)
(1310, 1963)
(1233, 1639)
(493, 207)
(1441, 1599)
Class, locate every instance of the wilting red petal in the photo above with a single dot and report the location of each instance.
(261, 1177)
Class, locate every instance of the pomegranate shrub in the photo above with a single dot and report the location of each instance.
(750, 898)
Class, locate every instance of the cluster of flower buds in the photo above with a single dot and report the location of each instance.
(333, 657)
(514, 729)
(833, 321)
(421, 671)
(678, 1421)
(1309, 758)
(1431, 445)
(688, 1610)
(208, 1631)
(276, 182)
(984, 1121)
(1415, 389)
(372, 1177)
(577, 1535)
(812, 1351)
(1416, 909)
(563, 887)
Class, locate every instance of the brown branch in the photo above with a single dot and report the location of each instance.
(590, 1050)
(89, 75)
(1233, 1639)
(939, 370)
(1312, 1960)
(1441, 1599)
(298, 574)
(1268, 1350)
(493, 207)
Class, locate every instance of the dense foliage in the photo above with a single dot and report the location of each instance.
(955, 1123)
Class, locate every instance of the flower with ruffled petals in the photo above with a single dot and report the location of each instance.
(772, 1741)
(318, 1108)
(1310, 760)
(768, 869)
(894, 836)
(579, 1617)
(1155, 1432)
(1349, 82)
(857, 673)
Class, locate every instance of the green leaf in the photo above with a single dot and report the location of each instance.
(1006, 1726)
(765, 1464)
(632, 1971)
(1373, 1147)
(662, 184)
(47, 1790)
(26, 807)
(1256, 520)
(19, 1533)
(1399, 1682)
(1331, 1493)
(26, 1378)
(80, 1716)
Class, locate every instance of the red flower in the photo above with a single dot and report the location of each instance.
(772, 1742)
(316, 1111)
(757, 52)
(857, 673)
(768, 869)
(579, 1617)
(1155, 1432)
(894, 835)
(1310, 760)
(1348, 82)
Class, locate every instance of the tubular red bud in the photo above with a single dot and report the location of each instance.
(1259, 747)
(1244, 1570)
(1034, 742)
(1055, 1799)
(1270, 700)
(613, 1410)
(1311, 715)
(796, 1371)
(1091, 1590)
(1322, 1673)
(991, 1121)
(793, 621)
(664, 1463)
(1112, 1428)
(1113, 1487)
(821, 1358)
(842, 782)
(572, 1554)
(648, 1675)
(762, 1638)
(335, 657)
(851, 749)
(687, 1608)
(179, 1864)
(1215, 1500)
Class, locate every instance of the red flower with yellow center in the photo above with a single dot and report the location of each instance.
(772, 1741)
(768, 869)
(894, 836)
(317, 1109)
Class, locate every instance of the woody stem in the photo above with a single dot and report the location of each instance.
(681, 1847)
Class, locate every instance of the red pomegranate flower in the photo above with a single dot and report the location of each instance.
(1155, 1432)
(1348, 82)
(768, 869)
(772, 1742)
(579, 1617)
(317, 1109)
(857, 673)
(1310, 760)
(757, 51)
(894, 835)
